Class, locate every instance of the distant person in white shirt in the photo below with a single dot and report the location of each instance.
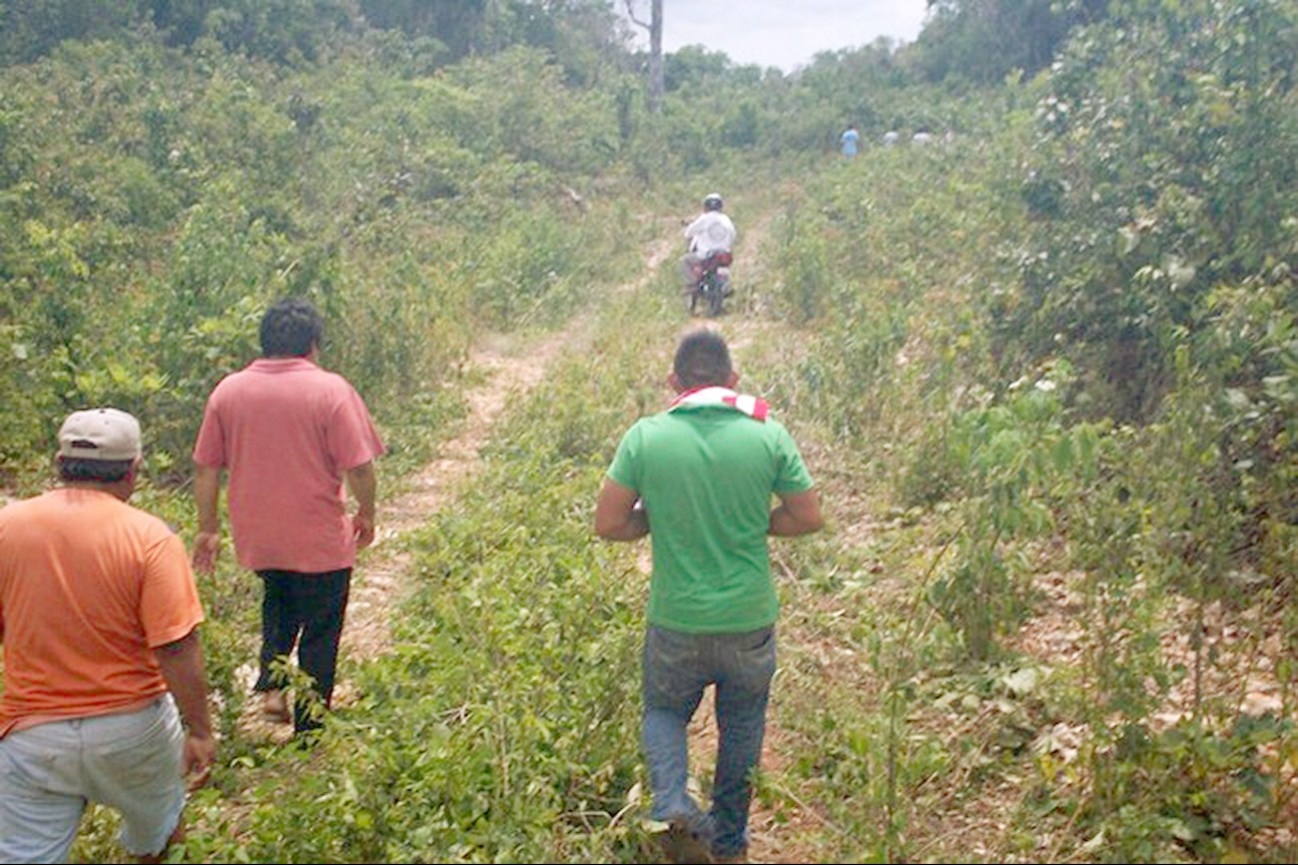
(710, 235)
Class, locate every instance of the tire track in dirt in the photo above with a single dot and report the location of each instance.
(510, 368)
(773, 830)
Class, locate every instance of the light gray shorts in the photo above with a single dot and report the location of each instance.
(50, 772)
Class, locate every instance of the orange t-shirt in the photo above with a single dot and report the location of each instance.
(89, 587)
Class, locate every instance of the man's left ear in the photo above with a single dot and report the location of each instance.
(734, 380)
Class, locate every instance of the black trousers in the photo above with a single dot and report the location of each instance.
(312, 607)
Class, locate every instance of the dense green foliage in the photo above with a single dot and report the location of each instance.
(985, 41)
(1146, 198)
(156, 200)
(1054, 351)
(303, 31)
(1075, 324)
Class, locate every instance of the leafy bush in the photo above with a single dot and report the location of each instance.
(156, 201)
(1011, 457)
(1164, 165)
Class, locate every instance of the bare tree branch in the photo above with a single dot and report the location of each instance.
(630, 13)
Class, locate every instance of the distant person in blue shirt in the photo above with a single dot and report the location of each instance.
(850, 139)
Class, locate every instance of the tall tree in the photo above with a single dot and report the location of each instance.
(458, 24)
(655, 27)
(30, 28)
(983, 40)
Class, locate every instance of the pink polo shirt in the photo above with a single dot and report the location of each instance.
(287, 431)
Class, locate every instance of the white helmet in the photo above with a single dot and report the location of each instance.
(712, 201)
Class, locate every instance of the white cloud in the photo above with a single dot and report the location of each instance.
(784, 33)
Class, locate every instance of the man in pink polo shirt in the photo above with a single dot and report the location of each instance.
(289, 435)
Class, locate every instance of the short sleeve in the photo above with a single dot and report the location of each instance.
(792, 476)
(625, 467)
(169, 603)
(209, 448)
(353, 438)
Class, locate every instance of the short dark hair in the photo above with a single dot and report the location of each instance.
(702, 360)
(77, 470)
(291, 328)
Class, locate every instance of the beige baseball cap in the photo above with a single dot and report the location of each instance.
(104, 434)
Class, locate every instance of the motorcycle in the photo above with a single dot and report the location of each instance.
(713, 285)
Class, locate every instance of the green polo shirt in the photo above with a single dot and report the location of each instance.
(706, 477)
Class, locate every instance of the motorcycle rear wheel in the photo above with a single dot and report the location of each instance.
(715, 299)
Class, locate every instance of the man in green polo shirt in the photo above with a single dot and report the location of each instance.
(702, 476)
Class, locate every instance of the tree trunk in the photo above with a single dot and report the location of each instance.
(655, 27)
(656, 58)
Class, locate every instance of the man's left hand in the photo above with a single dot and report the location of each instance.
(363, 530)
(207, 547)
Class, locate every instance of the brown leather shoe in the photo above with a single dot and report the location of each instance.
(682, 843)
(274, 708)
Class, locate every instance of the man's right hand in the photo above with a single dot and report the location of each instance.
(207, 547)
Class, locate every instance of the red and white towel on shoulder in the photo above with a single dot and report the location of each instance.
(722, 397)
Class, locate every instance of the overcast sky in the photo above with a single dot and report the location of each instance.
(782, 33)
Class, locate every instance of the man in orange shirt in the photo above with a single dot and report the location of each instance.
(290, 435)
(99, 615)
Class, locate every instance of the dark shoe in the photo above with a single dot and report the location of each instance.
(737, 859)
(683, 842)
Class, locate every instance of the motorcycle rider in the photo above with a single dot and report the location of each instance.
(710, 235)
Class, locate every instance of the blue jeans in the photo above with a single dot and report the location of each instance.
(677, 668)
